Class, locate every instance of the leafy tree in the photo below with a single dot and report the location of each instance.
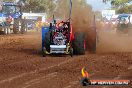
(119, 3)
(126, 9)
(8, 0)
(36, 5)
(121, 6)
(39, 5)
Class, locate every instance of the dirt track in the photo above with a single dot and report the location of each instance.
(22, 66)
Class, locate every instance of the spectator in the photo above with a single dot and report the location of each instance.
(37, 25)
(0, 7)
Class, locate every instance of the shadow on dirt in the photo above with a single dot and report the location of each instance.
(36, 52)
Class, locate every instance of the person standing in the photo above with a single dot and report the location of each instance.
(37, 25)
(0, 5)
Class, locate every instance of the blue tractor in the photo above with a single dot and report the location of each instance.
(60, 38)
(11, 18)
(124, 24)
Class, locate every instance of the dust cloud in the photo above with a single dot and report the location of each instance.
(81, 16)
(111, 42)
(82, 20)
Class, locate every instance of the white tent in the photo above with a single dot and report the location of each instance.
(34, 16)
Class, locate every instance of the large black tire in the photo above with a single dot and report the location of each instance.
(95, 44)
(23, 26)
(71, 52)
(47, 41)
(78, 44)
(44, 52)
(16, 26)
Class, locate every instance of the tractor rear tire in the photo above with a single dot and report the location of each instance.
(15, 29)
(79, 43)
(23, 26)
(16, 26)
(95, 45)
(71, 52)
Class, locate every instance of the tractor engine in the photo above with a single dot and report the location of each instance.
(59, 37)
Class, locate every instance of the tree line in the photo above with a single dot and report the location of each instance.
(121, 6)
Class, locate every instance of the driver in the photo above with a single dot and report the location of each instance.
(59, 24)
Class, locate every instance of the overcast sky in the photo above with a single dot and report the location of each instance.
(98, 5)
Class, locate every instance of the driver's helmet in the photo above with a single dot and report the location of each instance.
(59, 24)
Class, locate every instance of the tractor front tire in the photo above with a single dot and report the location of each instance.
(79, 43)
(47, 41)
(44, 52)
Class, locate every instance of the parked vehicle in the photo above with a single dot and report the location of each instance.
(11, 18)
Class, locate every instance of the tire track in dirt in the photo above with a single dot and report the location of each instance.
(76, 83)
(66, 69)
(13, 45)
(38, 80)
(120, 77)
(33, 72)
(20, 76)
